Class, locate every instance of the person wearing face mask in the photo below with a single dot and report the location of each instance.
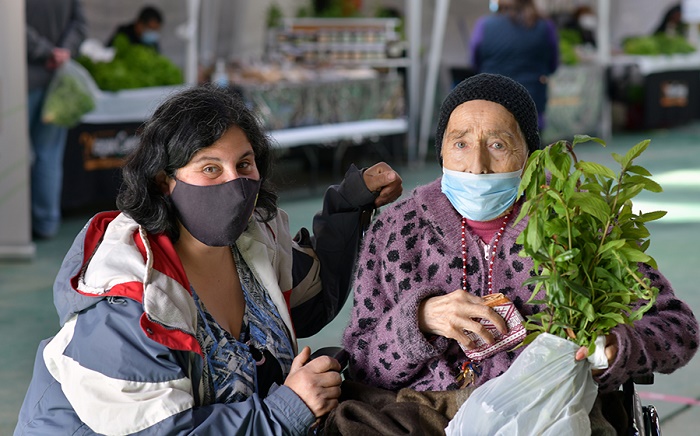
(584, 22)
(145, 30)
(179, 313)
(428, 265)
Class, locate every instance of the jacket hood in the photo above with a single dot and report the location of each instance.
(66, 298)
(113, 257)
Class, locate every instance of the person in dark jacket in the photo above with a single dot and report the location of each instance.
(179, 313)
(672, 22)
(517, 42)
(55, 30)
(145, 30)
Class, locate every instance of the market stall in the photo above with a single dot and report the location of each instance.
(330, 82)
(658, 91)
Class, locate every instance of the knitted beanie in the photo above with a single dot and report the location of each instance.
(498, 89)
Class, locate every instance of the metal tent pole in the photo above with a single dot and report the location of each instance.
(435, 55)
(414, 43)
(603, 44)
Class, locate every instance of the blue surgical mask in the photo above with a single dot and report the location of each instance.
(480, 197)
(150, 37)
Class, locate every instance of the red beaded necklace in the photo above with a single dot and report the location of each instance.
(489, 256)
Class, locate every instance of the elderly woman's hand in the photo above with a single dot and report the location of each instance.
(384, 180)
(451, 314)
(610, 353)
(317, 383)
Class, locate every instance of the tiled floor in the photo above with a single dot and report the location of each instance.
(27, 313)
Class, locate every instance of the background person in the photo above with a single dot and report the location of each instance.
(55, 30)
(426, 263)
(175, 311)
(584, 22)
(518, 43)
(145, 30)
(672, 22)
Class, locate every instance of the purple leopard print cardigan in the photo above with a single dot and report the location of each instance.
(413, 251)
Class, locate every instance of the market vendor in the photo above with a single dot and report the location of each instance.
(145, 30)
(428, 262)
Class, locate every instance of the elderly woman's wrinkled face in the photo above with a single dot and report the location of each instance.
(483, 137)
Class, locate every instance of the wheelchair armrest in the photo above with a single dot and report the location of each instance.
(640, 418)
(647, 379)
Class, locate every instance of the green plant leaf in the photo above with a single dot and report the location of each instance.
(578, 139)
(596, 168)
(627, 192)
(594, 188)
(612, 245)
(651, 216)
(649, 184)
(618, 158)
(636, 169)
(530, 168)
(591, 204)
(616, 317)
(577, 288)
(634, 254)
(634, 152)
(551, 166)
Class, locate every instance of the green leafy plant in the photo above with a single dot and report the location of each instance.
(68, 97)
(133, 66)
(659, 44)
(274, 16)
(568, 40)
(585, 242)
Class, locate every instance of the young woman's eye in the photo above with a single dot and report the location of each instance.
(245, 165)
(210, 169)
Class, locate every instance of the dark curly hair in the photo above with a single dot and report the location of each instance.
(182, 125)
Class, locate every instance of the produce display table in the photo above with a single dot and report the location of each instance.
(659, 91)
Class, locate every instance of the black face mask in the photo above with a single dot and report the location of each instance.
(216, 215)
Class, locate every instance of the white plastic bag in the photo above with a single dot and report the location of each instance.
(544, 392)
(71, 94)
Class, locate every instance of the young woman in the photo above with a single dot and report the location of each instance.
(175, 310)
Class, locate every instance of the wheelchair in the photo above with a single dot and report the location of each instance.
(640, 420)
(643, 420)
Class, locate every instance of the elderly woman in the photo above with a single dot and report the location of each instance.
(175, 310)
(428, 262)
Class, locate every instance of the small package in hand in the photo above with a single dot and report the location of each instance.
(516, 330)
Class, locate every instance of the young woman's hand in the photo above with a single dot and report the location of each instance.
(316, 382)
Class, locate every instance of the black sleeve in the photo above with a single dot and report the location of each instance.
(337, 231)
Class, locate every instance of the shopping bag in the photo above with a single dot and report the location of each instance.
(544, 392)
(71, 94)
